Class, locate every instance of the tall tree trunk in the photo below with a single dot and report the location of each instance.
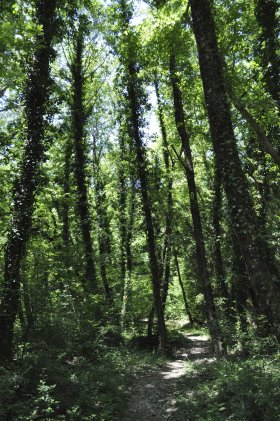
(133, 92)
(202, 269)
(218, 259)
(240, 287)
(27, 302)
(63, 209)
(142, 172)
(104, 237)
(103, 233)
(187, 308)
(150, 325)
(78, 126)
(66, 195)
(266, 14)
(216, 218)
(122, 209)
(242, 214)
(166, 256)
(37, 93)
(128, 258)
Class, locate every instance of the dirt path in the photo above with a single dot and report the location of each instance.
(153, 395)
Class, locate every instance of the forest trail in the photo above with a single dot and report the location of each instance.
(153, 393)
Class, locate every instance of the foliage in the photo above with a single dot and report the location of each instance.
(232, 389)
(75, 349)
(90, 380)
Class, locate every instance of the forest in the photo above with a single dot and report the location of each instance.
(139, 211)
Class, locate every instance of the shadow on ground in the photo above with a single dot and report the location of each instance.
(155, 392)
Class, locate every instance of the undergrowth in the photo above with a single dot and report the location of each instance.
(88, 380)
(232, 389)
(88, 376)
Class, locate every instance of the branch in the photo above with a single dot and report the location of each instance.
(254, 124)
(186, 165)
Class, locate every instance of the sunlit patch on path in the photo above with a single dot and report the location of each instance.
(153, 394)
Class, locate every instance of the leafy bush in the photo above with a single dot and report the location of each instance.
(233, 390)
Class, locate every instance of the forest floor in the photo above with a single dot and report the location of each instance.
(130, 382)
(154, 393)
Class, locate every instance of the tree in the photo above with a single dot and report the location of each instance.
(266, 14)
(78, 126)
(103, 223)
(36, 97)
(167, 246)
(243, 218)
(134, 97)
(187, 163)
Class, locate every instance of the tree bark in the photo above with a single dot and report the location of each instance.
(128, 259)
(135, 115)
(242, 214)
(27, 302)
(78, 127)
(122, 209)
(218, 259)
(240, 287)
(36, 97)
(142, 172)
(104, 240)
(202, 269)
(266, 14)
(66, 195)
(166, 256)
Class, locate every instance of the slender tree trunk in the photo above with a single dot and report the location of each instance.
(128, 258)
(27, 302)
(166, 258)
(218, 259)
(216, 218)
(21, 316)
(266, 14)
(202, 269)
(133, 92)
(150, 327)
(103, 236)
(142, 171)
(187, 308)
(78, 125)
(122, 210)
(66, 196)
(242, 214)
(37, 93)
(240, 287)
(262, 184)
